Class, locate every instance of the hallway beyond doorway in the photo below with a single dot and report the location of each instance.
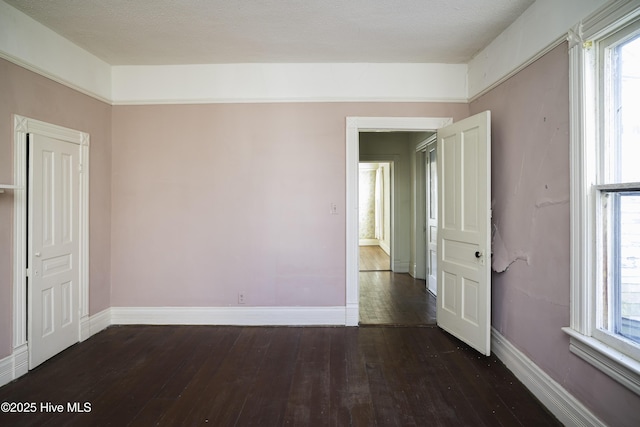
(373, 258)
(388, 298)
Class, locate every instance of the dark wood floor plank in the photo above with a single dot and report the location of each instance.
(150, 413)
(190, 406)
(183, 362)
(445, 400)
(236, 376)
(464, 403)
(409, 366)
(139, 381)
(266, 402)
(388, 298)
(276, 376)
(311, 381)
(387, 412)
(351, 395)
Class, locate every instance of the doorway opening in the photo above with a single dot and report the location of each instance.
(354, 127)
(357, 126)
(392, 294)
(463, 235)
(375, 192)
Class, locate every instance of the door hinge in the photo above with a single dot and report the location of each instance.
(80, 169)
(27, 272)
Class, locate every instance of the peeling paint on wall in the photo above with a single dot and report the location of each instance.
(502, 257)
(550, 202)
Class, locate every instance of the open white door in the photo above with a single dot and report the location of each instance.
(54, 247)
(464, 237)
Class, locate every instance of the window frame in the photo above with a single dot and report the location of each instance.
(607, 352)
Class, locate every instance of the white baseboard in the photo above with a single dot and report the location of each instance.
(400, 266)
(352, 317)
(241, 316)
(369, 242)
(90, 326)
(14, 365)
(376, 242)
(552, 395)
(6, 370)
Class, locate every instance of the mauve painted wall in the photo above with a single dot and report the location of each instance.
(530, 187)
(31, 95)
(210, 200)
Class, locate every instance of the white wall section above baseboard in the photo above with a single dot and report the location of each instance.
(185, 84)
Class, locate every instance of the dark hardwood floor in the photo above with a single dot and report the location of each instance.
(388, 298)
(274, 376)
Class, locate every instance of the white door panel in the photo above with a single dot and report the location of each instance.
(464, 285)
(53, 247)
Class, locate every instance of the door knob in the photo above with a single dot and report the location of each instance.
(37, 254)
(478, 254)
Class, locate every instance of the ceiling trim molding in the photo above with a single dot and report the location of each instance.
(532, 34)
(34, 47)
(51, 76)
(521, 67)
(287, 100)
(291, 82)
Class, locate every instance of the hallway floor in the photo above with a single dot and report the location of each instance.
(388, 298)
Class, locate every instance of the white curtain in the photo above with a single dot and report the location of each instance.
(379, 204)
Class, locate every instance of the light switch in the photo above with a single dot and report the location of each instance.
(334, 209)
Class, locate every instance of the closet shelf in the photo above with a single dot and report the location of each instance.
(9, 187)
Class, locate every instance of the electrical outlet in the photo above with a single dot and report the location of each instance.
(241, 297)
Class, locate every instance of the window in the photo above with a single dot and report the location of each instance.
(617, 192)
(605, 199)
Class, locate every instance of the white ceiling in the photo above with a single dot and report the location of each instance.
(154, 32)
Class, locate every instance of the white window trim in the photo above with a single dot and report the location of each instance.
(583, 141)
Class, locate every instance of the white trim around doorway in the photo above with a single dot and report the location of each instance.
(354, 126)
(21, 127)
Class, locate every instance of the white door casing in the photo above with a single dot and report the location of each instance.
(54, 174)
(464, 239)
(24, 126)
(431, 162)
(354, 126)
